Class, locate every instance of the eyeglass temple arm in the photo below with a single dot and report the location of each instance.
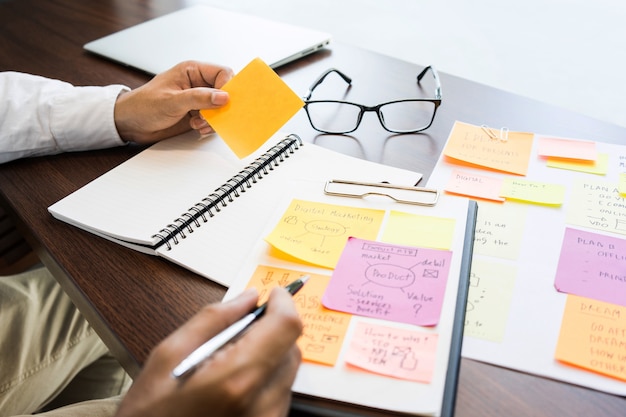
(323, 76)
(435, 75)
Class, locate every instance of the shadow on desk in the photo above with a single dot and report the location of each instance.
(16, 254)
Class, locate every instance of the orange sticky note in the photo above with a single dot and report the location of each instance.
(474, 185)
(260, 104)
(324, 330)
(469, 144)
(593, 336)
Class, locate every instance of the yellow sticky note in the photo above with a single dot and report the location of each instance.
(489, 299)
(260, 104)
(317, 233)
(500, 229)
(469, 144)
(598, 205)
(533, 191)
(600, 166)
(593, 336)
(323, 330)
(621, 186)
(416, 230)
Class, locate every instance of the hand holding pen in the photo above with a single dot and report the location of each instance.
(228, 335)
(252, 377)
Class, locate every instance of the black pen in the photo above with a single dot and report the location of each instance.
(227, 335)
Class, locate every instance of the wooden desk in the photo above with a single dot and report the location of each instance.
(134, 300)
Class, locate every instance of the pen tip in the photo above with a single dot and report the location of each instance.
(304, 278)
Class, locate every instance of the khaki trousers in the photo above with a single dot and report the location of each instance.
(49, 355)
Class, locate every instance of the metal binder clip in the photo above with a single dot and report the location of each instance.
(503, 136)
(401, 194)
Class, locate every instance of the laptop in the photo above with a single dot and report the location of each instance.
(208, 34)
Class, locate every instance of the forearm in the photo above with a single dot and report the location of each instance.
(40, 116)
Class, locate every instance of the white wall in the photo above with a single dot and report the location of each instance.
(571, 53)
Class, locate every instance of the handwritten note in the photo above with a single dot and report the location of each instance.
(416, 230)
(316, 232)
(599, 166)
(324, 330)
(470, 144)
(533, 191)
(500, 229)
(593, 336)
(566, 148)
(592, 265)
(397, 283)
(260, 104)
(399, 353)
(489, 299)
(474, 185)
(597, 205)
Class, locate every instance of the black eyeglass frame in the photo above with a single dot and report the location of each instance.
(435, 100)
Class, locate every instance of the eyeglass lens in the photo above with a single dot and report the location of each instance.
(397, 116)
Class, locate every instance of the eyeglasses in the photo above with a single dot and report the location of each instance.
(399, 116)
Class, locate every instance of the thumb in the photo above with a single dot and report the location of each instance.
(200, 98)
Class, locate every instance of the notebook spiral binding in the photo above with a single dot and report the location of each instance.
(226, 193)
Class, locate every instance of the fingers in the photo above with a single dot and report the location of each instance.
(205, 324)
(264, 346)
(258, 370)
(203, 84)
(202, 74)
(250, 378)
(198, 123)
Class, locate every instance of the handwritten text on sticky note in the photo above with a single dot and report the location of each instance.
(597, 205)
(400, 353)
(323, 330)
(470, 144)
(489, 299)
(398, 283)
(592, 265)
(474, 185)
(317, 232)
(593, 336)
(533, 191)
(500, 229)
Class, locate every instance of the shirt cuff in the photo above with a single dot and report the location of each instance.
(82, 118)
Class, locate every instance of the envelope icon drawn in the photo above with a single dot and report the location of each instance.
(314, 348)
(431, 273)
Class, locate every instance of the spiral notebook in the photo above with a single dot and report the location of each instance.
(196, 204)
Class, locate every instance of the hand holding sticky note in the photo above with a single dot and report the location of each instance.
(260, 104)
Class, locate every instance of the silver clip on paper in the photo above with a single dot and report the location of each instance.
(502, 137)
(401, 194)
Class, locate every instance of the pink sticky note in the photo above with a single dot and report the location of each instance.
(391, 282)
(567, 148)
(475, 185)
(593, 266)
(400, 353)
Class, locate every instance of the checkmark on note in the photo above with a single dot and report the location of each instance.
(260, 104)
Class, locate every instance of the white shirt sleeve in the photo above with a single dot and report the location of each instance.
(41, 116)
